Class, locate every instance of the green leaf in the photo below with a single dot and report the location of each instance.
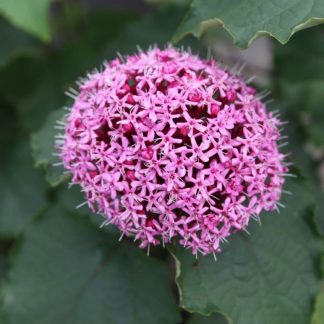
(68, 271)
(246, 20)
(18, 43)
(43, 145)
(22, 188)
(318, 316)
(29, 15)
(269, 276)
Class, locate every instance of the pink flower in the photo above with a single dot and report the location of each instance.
(168, 146)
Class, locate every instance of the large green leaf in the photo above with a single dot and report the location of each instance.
(68, 271)
(246, 20)
(22, 188)
(267, 277)
(29, 15)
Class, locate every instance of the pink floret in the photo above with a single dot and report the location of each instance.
(166, 145)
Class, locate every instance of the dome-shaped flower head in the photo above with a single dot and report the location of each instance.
(166, 145)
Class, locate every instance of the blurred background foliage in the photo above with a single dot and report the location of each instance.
(56, 265)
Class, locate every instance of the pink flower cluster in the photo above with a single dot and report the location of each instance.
(166, 145)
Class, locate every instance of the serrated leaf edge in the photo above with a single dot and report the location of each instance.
(199, 30)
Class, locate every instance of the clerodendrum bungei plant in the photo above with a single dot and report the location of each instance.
(168, 146)
(174, 159)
